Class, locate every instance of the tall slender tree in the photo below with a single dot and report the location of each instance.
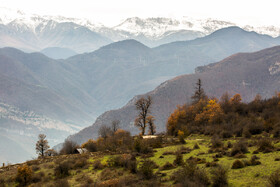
(199, 92)
(42, 145)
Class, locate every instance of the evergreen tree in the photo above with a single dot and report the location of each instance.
(199, 92)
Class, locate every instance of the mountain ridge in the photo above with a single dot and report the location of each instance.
(245, 73)
(76, 90)
(17, 29)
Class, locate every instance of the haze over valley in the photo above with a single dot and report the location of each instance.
(66, 77)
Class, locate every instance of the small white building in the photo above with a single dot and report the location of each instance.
(82, 150)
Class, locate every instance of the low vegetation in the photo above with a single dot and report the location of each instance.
(208, 143)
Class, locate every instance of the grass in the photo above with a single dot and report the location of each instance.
(247, 176)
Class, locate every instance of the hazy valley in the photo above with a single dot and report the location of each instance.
(62, 96)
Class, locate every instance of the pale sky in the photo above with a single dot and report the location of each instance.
(111, 12)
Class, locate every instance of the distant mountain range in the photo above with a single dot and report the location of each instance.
(245, 73)
(34, 33)
(58, 52)
(59, 97)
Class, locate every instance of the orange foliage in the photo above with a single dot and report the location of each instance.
(212, 113)
(174, 119)
(24, 174)
(236, 99)
(90, 141)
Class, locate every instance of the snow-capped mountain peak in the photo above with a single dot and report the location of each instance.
(156, 27)
(150, 31)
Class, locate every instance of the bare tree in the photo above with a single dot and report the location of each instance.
(115, 125)
(105, 131)
(69, 147)
(151, 124)
(143, 106)
(42, 145)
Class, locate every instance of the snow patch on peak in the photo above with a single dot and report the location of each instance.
(155, 28)
(268, 30)
(31, 21)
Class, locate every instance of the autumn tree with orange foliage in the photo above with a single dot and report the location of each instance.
(24, 175)
(211, 114)
(90, 145)
(183, 116)
(176, 120)
(236, 99)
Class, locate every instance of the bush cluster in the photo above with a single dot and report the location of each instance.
(228, 117)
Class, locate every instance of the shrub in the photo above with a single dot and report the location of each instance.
(229, 145)
(129, 162)
(137, 145)
(246, 133)
(237, 164)
(219, 177)
(240, 156)
(33, 162)
(80, 162)
(179, 159)
(37, 177)
(211, 164)
(191, 175)
(196, 160)
(196, 146)
(154, 142)
(201, 177)
(239, 148)
(181, 136)
(109, 173)
(216, 142)
(84, 178)
(265, 145)
(141, 146)
(2, 182)
(115, 161)
(97, 164)
(274, 179)
(255, 128)
(62, 183)
(254, 161)
(62, 170)
(146, 169)
(276, 132)
(90, 145)
(167, 166)
(24, 175)
(132, 166)
(146, 149)
(35, 168)
(226, 134)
